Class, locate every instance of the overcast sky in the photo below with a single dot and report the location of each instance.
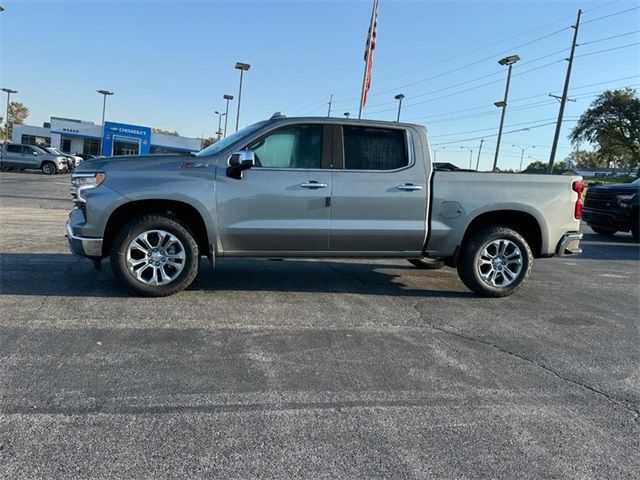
(169, 63)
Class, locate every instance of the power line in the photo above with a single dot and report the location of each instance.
(608, 49)
(608, 38)
(610, 15)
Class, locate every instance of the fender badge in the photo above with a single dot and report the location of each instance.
(194, 165)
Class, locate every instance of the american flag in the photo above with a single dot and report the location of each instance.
(368, 52)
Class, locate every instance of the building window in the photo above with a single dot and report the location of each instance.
(160, 150)
(36, 140)
(65, 145)
(91, 147)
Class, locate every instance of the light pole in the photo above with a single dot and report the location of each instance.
(220, 115)
(435, 153)
(470, 156)
(399, 97)
(104, 94)
(509, 61)
(226, 112)
(243, 67)
(522, 150)
(347, 114)
(6, 120)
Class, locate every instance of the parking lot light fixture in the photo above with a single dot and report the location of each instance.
(470, 156)
(243, 67)
(8, 91)
(104, 94)
(508, 61)
(399, 97)
(522, 150)
(435, 152)
(347, 115)
(226, 112)
(220, 115)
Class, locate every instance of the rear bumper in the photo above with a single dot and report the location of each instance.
(83, 246)
(569, 244)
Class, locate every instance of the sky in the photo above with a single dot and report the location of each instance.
(170, 62)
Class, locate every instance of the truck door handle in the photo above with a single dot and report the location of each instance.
(409, 187)
(313, 184)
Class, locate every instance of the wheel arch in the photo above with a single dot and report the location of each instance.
(525, 223)
(186, 213)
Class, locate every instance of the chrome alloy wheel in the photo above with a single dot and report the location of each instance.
(155, 257)
(500, 263)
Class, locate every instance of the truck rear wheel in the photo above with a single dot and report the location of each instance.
(49, 168)
(155, 256)
(426, 263)
(495, 261)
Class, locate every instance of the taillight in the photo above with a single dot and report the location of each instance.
(578, 187)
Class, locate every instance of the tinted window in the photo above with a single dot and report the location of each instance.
(14, 148)
(374, 148)
(298, 146)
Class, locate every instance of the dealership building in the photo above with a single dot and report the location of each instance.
(78, 136)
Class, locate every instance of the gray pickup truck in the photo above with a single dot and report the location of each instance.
(14, 155)
(317, 187)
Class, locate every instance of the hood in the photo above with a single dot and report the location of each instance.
(130, 162)
(614, 187)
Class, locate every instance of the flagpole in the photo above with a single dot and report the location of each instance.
(366, 66)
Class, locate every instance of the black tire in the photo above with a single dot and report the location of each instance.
(147, 223)
(605, 232)
(635, 227)
(426, 263)
(49, 168)
(473, 248)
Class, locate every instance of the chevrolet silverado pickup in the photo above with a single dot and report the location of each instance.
(611, 208)
(317, 187)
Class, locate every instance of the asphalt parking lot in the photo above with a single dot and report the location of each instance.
(311, 369)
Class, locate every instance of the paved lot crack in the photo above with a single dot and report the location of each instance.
(618, 402)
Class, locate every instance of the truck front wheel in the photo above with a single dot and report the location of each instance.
(155, 256)
(494, 261)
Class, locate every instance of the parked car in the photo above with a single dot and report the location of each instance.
(317, 187)
(86, 156)
(611, 208)
(19, 156)
(74, 159)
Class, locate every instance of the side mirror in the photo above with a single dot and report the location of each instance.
(239, 162)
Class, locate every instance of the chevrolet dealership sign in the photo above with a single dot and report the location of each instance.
(128, 133)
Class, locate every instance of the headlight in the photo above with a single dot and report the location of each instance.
(84, 181)
(624, 200)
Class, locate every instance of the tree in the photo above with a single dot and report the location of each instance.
(586, 159)
(18, 113)
(165, 132)
(612, 124)
(542, 166)
(208, 141)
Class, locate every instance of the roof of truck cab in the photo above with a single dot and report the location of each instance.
(346, 121)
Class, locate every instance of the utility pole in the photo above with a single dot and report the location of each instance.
(565, 92)
(479, 150)
(330, 101)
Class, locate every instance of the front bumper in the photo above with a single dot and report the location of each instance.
(569, 244)
(614, 219)
(84, 246)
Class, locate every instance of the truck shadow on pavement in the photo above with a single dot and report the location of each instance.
(617, 247)
(65, 275)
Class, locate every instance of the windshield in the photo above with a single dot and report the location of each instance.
(217, 147)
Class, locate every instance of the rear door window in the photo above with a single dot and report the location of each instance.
(14, 148)
(370, 148)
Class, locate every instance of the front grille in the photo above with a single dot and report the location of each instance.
(599, 200)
